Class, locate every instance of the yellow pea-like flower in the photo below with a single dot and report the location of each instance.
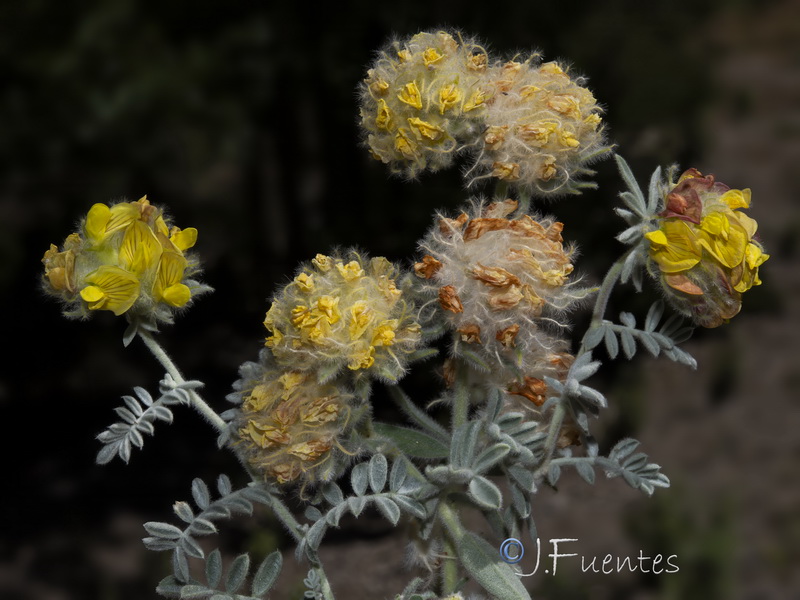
(168, 287)
(674, 246)
(111, 288)
(410, 95)
(140, 248)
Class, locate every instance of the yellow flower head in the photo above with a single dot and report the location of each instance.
(288, 425)
(704, 250)
(542, 128)
(353, 316)
(126, 259)
(422, 100)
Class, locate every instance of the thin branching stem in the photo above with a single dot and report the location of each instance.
(197, 402)
(598, 313)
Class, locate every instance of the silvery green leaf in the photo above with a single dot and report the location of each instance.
(239, 505)
(356, 504)
(520, 502)
(125, 415)
(522, 476)
(593, 396)
(180, 565)
(490, 457)
(632, 202)
(332, 493)
(202, 527)
(106, 454)
(654, 316)
(359, 478)
(465, 439)
(650, 344)
(257, 492)
(593, 337)
(485, 493)
(267, 574)
(493, 404)
(482, 561)
(653, 195)
(162, 413)
(397, 476)
(630, 182)
(378, 470)
(630, 235)
(184, 511)
(388, 509)
(412, 442)
(237, 573)
(163, 530)
(317, 530)
(195, 592)
(410, 506)
(636, 278)
(159, 544)
(628, 343)
(191, 547)
(312, 513)
(474, 360)
(629, 217)
(144, 396)
(125, 449)
(200, 493)
(214, 568)
(612, 347)
(635, 462)
(133, 406)
(583, 369)
(627, 319)
(169, 587)
(586, 471)
(416, 414)
(510, 419)
(145, 425)
(553, 474)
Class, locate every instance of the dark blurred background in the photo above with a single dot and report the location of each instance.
(241, 117)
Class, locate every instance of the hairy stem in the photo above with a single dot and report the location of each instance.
(449, 567)
(197, 402)
(455, 531)
(461, 395)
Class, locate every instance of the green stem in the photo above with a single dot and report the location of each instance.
(455, 531)
(197, 402)
(449, 568)
(461, 395)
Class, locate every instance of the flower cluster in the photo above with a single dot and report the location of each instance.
(126, 259)
(527, 124)
(541, 128)
(341, 312)
(704, 251)
(502, 284)
(288, 423)
(420, 99)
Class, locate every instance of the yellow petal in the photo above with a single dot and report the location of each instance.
(111, 288)
(736, 198)
(96, 221)
(183, 238)
(140, 248)
(176, 295)
(674, 247)
(167, 287)
(410, 95)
